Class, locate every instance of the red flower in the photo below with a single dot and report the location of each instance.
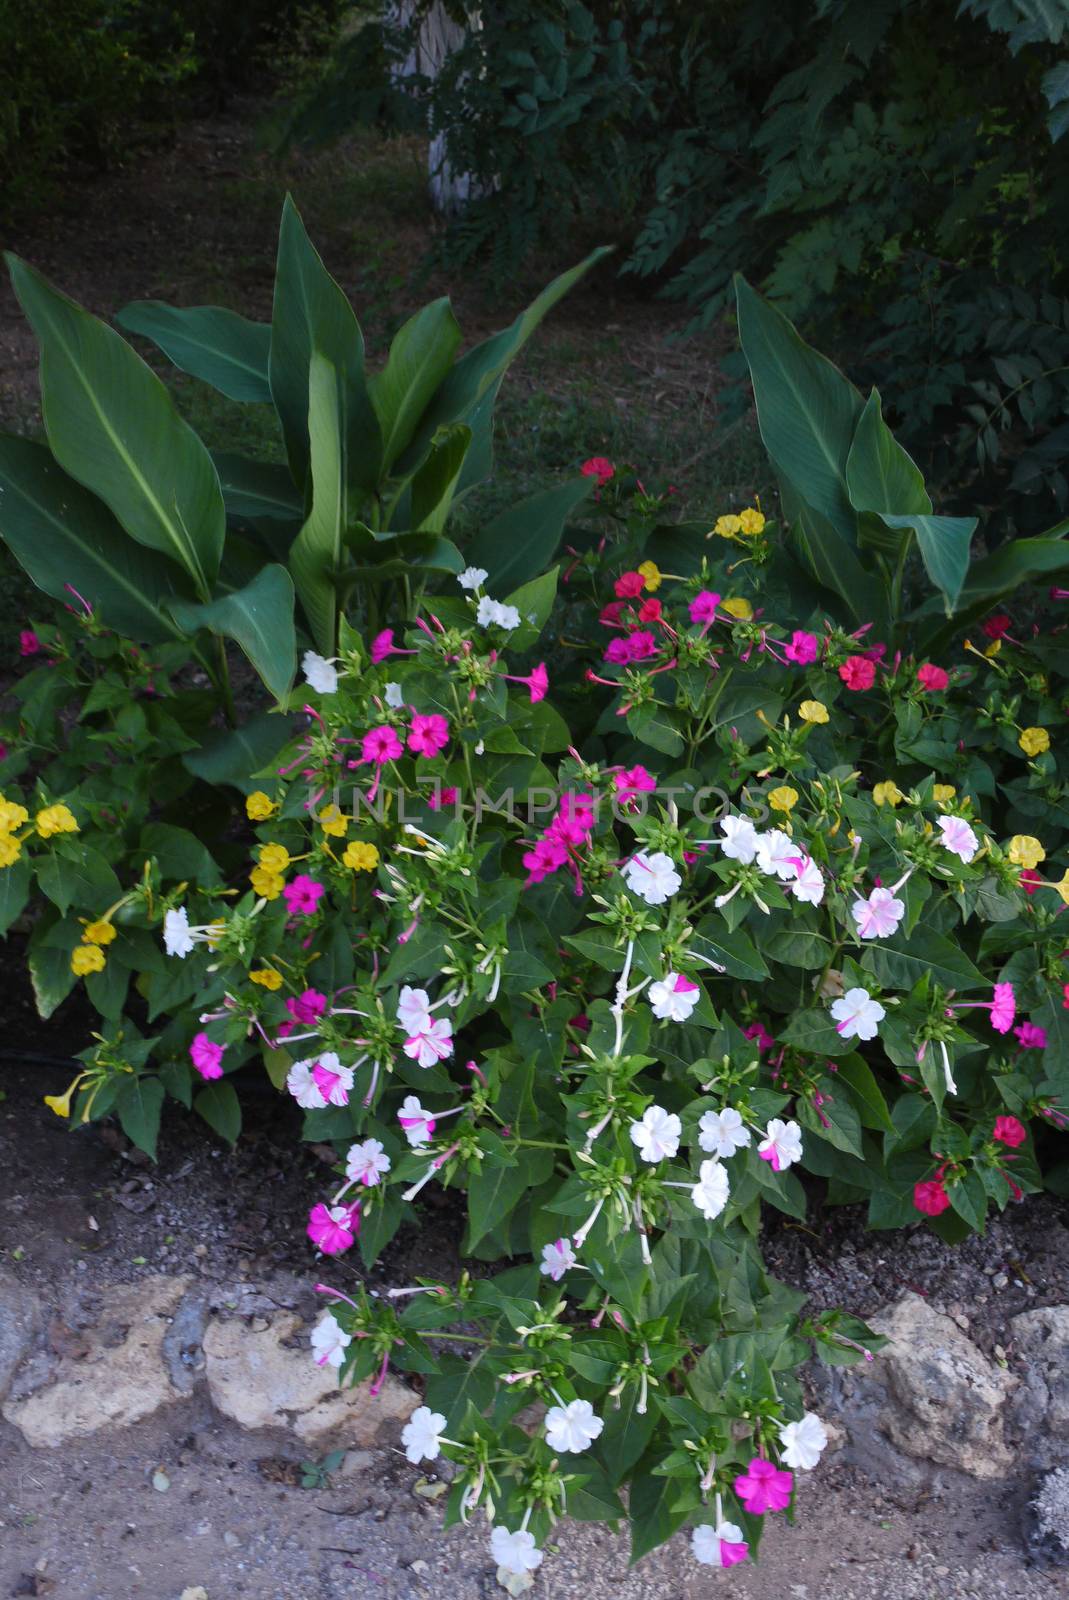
(857, 672)
(1008, 1130)
(650, 611)
(1030, 881)
(997, 625)
(931, 1197)
(630, 585)
(931, 678)
(599, 467)
(610, 614)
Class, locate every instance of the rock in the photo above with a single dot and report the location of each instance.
(1049, 1510)
(20, 1319)
(1042, 1339)
(121, 1379)
(266, 1378)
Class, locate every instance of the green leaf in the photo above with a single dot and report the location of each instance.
(316, 552)
(521, 542)
(209, 342)
(900, 963)
(880, 475)
(652, 724)
(944, 544)
(420, 355)
(238, 755)
(435, 484)
(257, 489)
(259, 618)
(534, 602)
(83, 878)
(62, 536)
(218, 1104)
(657, 1507)
(50, 974)
(866, 1093)
(733, 951)
(179, 853)
(311, 313)
(626, 1434)
(14, 891)
(139, 1105)
(112, 425)
(494, 1191)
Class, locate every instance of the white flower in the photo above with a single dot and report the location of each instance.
(494, 613)
(857, 1014)
(803, 1441)
(413, 1009)
(508, 618)
(653, 878)
(657, 1135)
(431, 1043)
(319, 673)
(515, 1552)
(706, 1541)
(177, 939)
(336, 1093)
(878, 916)
(366, 1162)
(418, 1124)
(777, 853)
(303, 1087)
(740, 839)
(721, 1133)
(573, 1427)
(422, 1435)
(394, 695)
(329, 1341)
(673, 997)
(473, 577)
(781, 1145)
(557, 1259)
(808, 885)
(958, 837)
(710, 1193)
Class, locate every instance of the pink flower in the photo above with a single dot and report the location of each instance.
(333, 1229)
(629, 586)
(1030, 881)
(703, 607)
(650, 611)
(997, 625)
(931, 678)
(207, 1056)
(1065, 997)
(618, 652)
(958, 837)
(764, 1487)
(537, 682)
(1008, 1130)
(303, 895)
(640, 646)
(443, 797)
(1032, 1036)
(1003, 1008)
(759, 1034)
(543, 858)
(930, 1197)
(632, 782)
(308, 1007)
(802, 648)
(858, 672)
(382, 646)
(599, 467)
(381, 745)
(333, 1081)
(878, 916)
(29, 643)
(428, 734)
(610, 614)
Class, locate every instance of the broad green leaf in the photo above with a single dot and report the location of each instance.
(50, 972)
(218, 1104)
(522, 541)
(209, 342)
(179, 853)
(420, 355)
(494, 1192)
(435, 484)
(63, 536)
(257, 489)
(833, 560)
(311, 313)
(237, 755)
(627, 1432)
(113, 426)
(316, 552)
(732, 951)
(395, 555)
(14, 891)
(139, 1104)
(657, 1507)
(534, 602)
(901, 963)
(259, 618)
(880, 475)
(82, 878)
(866, 1093)
(944, 544)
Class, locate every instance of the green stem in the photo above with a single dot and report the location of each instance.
(223, 685)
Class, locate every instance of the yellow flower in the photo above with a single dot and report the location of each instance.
(12, 815)
(100, 932)
(888, 793)
(268, 885)
(783, 798)
(55, 819)
(61, 1103)
(943, 793)
(993, 648)
(813, 711)
(1062, 886)
(1025, 851)
(274, 858)
(266, 977)
(219, 925)
(742, 610)
(331, 821)
(652, 574)
(1034, 741)
(751, 522)
(360, 856)
(259, 806)
(86, 958)
(727, 527)
(10, 850)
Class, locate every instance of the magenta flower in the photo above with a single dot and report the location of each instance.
(802, 648)
(1031, 1036)
(641, 646)
(428, 734)
(1009, 1130)
(1003, 1008)
(633, 781)
(618, 652)
(629, 586)
(308, 1007)
(207, 1056)
(29, 643)
(764, 1487)
(760, 1035)
(442, 797)
(333, 1229)
(703, 607)
(931, 678)
(536, 682)
(858, 672)
(303, 895)
(599, 467)
(382, 646)
(381, 745)
(543, 858)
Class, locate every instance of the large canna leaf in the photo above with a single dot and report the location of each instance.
(880, 475)
(316, 553)
(420, 356)
(253, 490)
(311, 313)
(435, 484)
(65, 538)
(997, 576)
(209, 342)
(112, 425)
(522, 541)
(259, 618)
(944, 544)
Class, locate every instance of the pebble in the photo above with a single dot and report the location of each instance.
(999, 1281)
